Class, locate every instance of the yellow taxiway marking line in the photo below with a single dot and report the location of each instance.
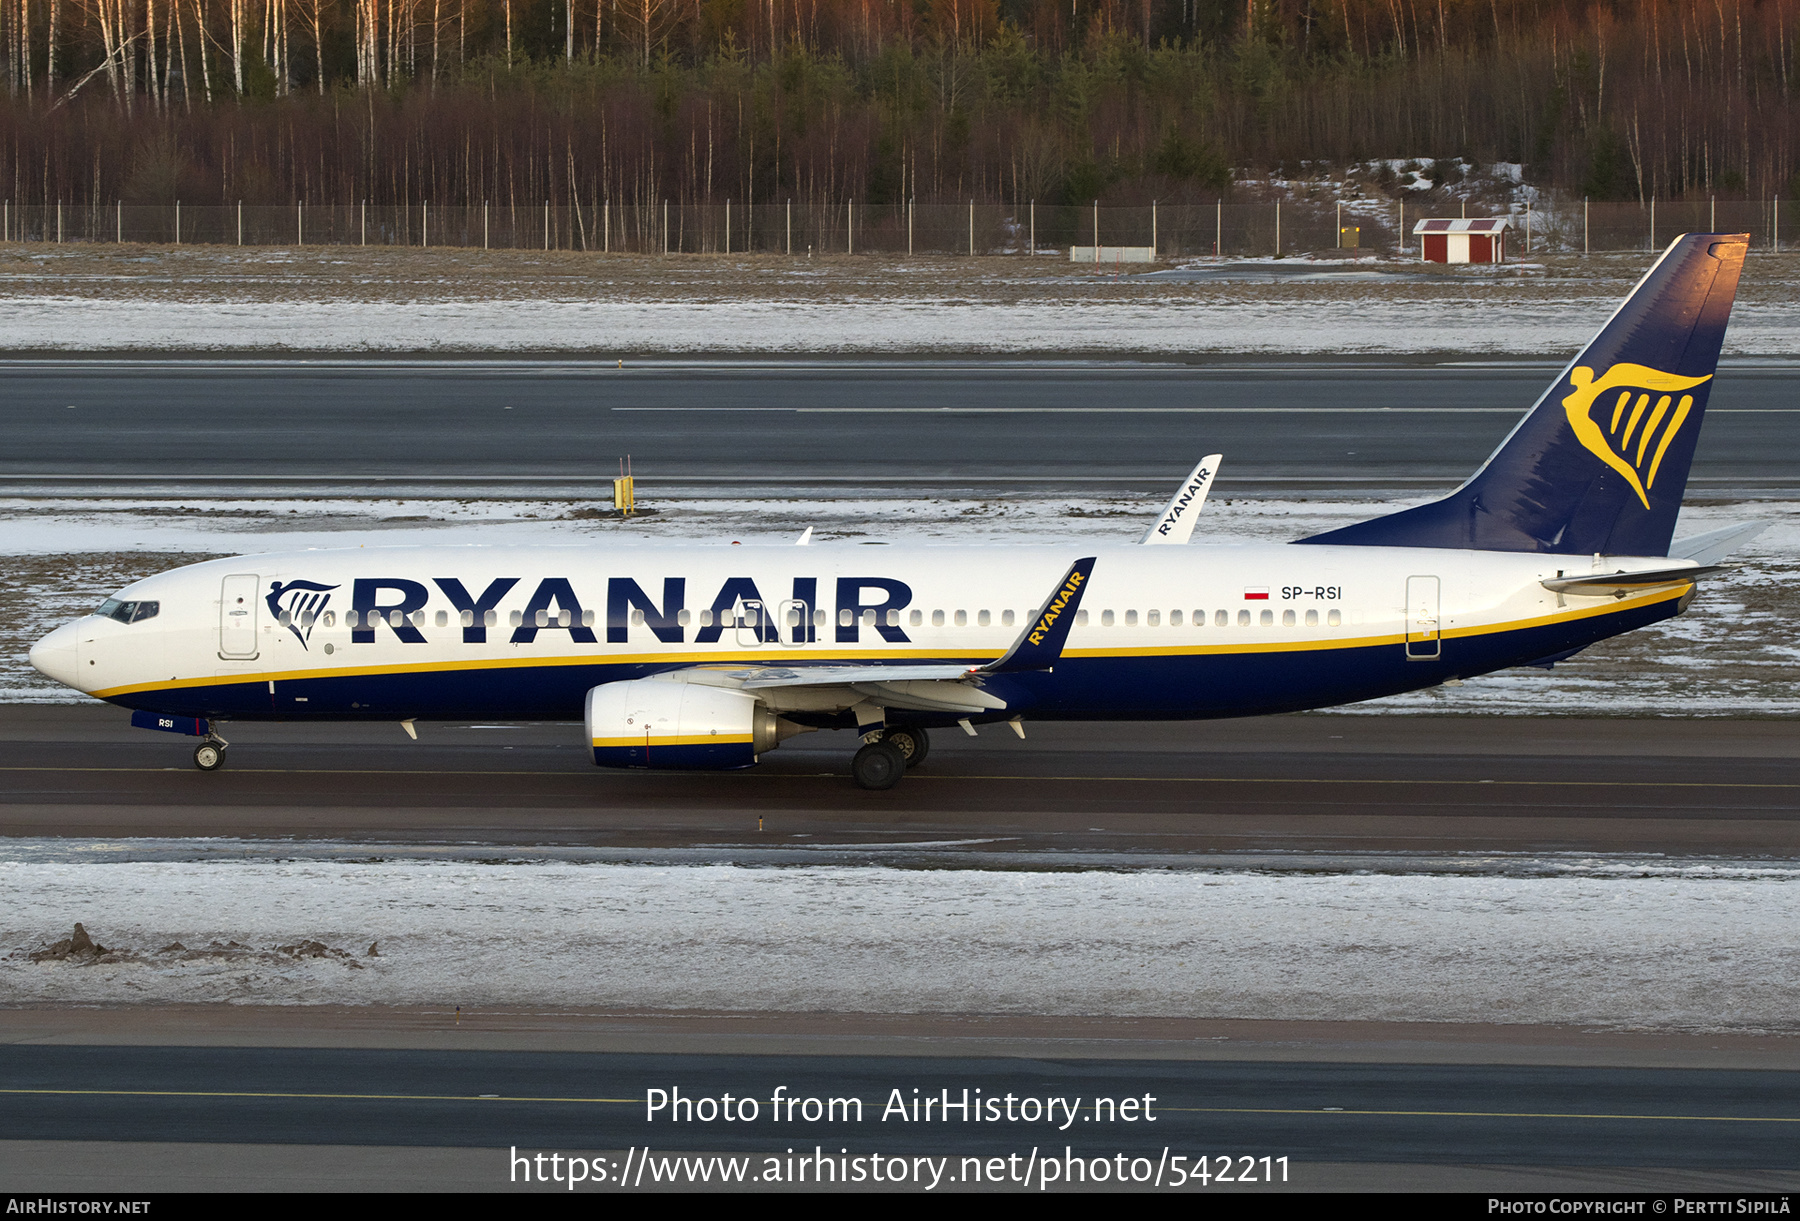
(648, 772)
(274, 1094)
(1181, 1110)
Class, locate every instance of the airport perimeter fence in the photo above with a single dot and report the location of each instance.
(1170, 230)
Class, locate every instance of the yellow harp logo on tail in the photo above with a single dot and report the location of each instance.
(1639, 414)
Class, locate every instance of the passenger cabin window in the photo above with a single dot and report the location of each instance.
(1130, 618)
(443, 618)
(1153, 618)
(1006, 618)
(984, 619)
(1223, 618)
(962, 618)
(1243, 618)
(937, 618)
(1174, 618)
(1287, 618)
(916, 618)
(331, 618)
(1106, 618)
(1081, 618)
(1333, 618)
(706, 617)
(1268, 618)
(1312, 618)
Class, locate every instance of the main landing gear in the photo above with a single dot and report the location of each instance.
(880, 764)
(209, 756)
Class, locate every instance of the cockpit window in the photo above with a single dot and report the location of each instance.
(128, 612)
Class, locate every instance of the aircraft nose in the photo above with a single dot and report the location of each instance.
(56, 656)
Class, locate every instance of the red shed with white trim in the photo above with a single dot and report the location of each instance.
(1465, 240)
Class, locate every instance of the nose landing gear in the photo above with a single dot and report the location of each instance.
(209, 756)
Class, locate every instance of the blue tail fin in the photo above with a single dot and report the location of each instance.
(1599, 465)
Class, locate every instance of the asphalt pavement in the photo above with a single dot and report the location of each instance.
(462, 427)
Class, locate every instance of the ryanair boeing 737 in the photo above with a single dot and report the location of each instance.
(708, 656)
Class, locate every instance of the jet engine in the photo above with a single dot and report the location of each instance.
(649, 722)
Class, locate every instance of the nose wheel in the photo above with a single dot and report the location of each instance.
(209, 756)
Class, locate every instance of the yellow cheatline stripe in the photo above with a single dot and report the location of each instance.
(734, 661)
(1480, 1114)
(801, 660)
(739, 776)
(276, 1094)
(698, 739)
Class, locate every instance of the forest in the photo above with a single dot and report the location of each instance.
(872, 102)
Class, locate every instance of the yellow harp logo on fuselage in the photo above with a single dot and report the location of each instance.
(1639, 415)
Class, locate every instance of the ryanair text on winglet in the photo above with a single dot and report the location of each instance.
(1183, 501)
(1057, 605)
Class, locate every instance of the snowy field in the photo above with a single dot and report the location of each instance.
(1599, 943)
(91, 299)
(1244, 321)
(1735, 652)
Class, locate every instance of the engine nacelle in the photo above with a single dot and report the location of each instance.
(649, 722)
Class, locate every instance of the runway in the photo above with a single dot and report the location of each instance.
(455, 427)
(1318, 1115)
(1293, 784)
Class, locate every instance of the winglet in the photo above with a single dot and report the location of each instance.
(805, 538)
(1176, 525)
(1041, 643)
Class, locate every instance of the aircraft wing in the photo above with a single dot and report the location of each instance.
(843, 676)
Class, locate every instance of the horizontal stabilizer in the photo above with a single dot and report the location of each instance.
(1715, 545)
(1622, 584)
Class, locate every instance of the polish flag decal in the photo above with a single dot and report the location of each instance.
(1256, 593)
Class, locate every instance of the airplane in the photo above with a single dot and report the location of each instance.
(708, 656)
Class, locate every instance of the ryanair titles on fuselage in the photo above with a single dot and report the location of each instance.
(554, 605)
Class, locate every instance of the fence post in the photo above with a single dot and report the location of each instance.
(178, 222)
(1402, 226)
(484, 224)
(425, 224)
(1653, 224)
(1776, 243)
(1277, 228)
(1096, 233)
(790, 226)
(1528, 226)
(665, 225)
(59, 235)
(119, 223)
(365, 226)
(1219, 227)
(1340, 225)
(1034, 229)
(1712, 213)
(299, 222)
(727, 226)
(909, 226)
(1153, 231)
(971, 228)
(1585, 247)
(850, 226)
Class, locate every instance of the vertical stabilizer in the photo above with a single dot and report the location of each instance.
(1599, 465)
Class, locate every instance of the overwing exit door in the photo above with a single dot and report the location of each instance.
(1423, 639)
(237, 615)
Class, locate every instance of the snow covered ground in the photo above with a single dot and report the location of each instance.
(1735, 652)
(1246, 321)
(1609, 943)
